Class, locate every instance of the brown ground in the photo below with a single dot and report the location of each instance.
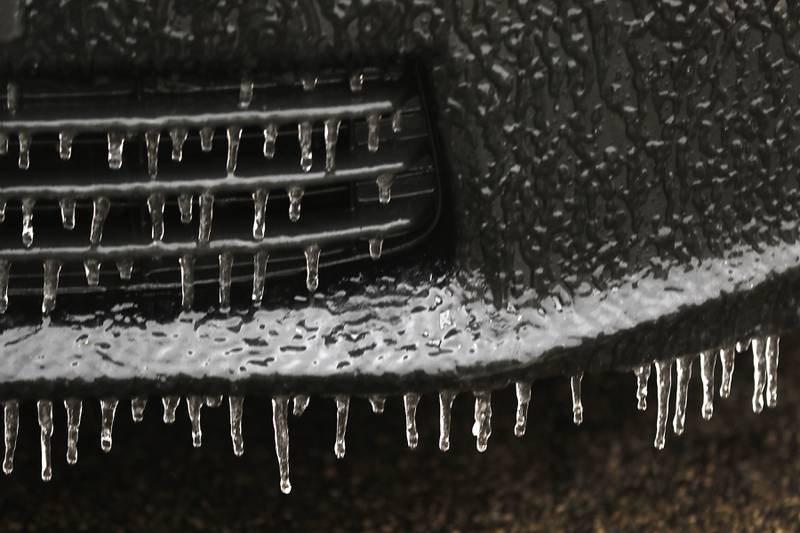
(739, 472)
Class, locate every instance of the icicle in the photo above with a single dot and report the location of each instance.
(664, 384)
(52, 270)
(214, 401)
(410, 402)
(125, 269)
(375, 248)
(270, 137)
(684, 375)
(309, 83)
(577, 405)
(483, 419)
(185, 207)
(331, 138)
(304, 137)
(446, 398)
(642, 373)
(170, 405)
(152, 139)
(207, 139)
(116, 146)
(300, 404)
(206, 217)
(773, 348)
(342, 410)
(708, 360)
(10, 430)
(259, 276)
(728, 357)
(108, 408)
(295, 197)
(373, 132)
(138, 405)
(67, 206)
(2, 210)
(3, 143)
(12, 97)
(397, 121)
(523, 401)
(24, 161)
(178, 137)
(74, 410)
(27, 221)
(260, 198)
(45, 411)
(759, 363)
(5, 271)
(234, 138)
(280, 424)
(155, 204)
(91, 267)
(377, 403)
(245, 93)
(357, 82)
(384, 182)
(742, 346)
(65, 145)
(225, 266)
(236, 409)
(312, 252)
(195, 404)
(100, 208)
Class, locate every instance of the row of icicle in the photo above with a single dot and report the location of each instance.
(765, 358)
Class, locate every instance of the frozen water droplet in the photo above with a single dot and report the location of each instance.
(331, 138)
(663, 384)
(108, 408)
(772, 349)
(235, 410)
(523, 401)
(138, 405)
(91, 267)
(384, 182)
(312, 267)
(100, 208)
(259, 276)
(377, 403)
(27, 221)
(397, 121)
(67, 206)
(65, 145)
(759, 363)
(309, 83)
(577, 405)
(373, 132)
(342, 410)
(125, 269)
(178, 137)
(225, 266)
(728, 357)
(206, 217)
(74, 410)
(304, 137)
(483, 419)
(708, 360)
(270, 137)
(116, 147)
(234, 138)
(446, 399)
(3, 143)
(742, 346)
(410, 402)
(24, 161)
(357, 81)
(245, 93)
(206, 139)
(151, 140)
(170, 405)
(52, 270)
(295, 199)
(185, 207)
(45, 411)
(642, 373)
(375, 248)
(684, 375)
(214, 401)
(300, 404)
(10, 430)
(195, 405)
(155, 204)
(280, 424)
(260, 198)
(5, 271)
